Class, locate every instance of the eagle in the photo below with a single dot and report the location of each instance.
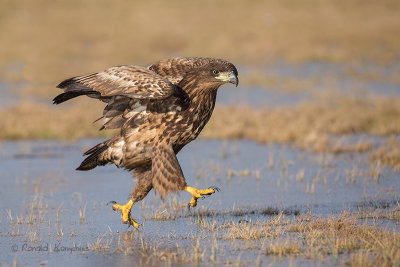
(158, 110)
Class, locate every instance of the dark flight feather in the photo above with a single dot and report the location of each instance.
(92, 160)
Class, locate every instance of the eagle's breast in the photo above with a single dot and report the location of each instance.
(191, 121)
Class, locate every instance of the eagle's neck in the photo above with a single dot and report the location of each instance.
(202, 103)
(202, 97)
(193, 87)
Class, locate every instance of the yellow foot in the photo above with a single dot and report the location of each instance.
(199, 193)
(125, 213)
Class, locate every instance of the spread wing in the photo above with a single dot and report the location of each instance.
(166, 171)
(174, 69)
(128, 90)
(129, 81)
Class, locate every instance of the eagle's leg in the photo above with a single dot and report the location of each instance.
(139, 192)
(199, 193)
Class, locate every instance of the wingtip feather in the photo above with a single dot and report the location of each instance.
(66, 82)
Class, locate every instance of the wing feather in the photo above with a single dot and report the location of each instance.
(129, 81)
(131, 90)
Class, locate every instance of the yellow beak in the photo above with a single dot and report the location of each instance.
(228, 77)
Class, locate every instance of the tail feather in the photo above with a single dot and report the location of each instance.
(96, 147)
(72, 94)
(93, 159)
(73, 88)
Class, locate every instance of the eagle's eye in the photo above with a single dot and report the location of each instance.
(215, 72)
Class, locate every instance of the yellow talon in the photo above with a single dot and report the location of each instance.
(126, 213)
(199, 193)
(193, 202)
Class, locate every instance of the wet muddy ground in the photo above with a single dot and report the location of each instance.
(52, 214)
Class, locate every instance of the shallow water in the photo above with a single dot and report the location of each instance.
(39, 183)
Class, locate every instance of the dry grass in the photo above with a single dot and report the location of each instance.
(335, 236)
(150, 253)
(74, 37)
(379, 213)
(388, 154)
(321, 238)
(325, 239)
(34, 121)
(247, 230)
(350, 238)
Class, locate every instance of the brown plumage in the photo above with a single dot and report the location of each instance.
(159, 110)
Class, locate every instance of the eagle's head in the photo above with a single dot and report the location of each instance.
(218, 73)
(211, 76)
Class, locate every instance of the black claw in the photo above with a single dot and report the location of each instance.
(112, 202)
(215, 188)
(189, 206)
(139, 228)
